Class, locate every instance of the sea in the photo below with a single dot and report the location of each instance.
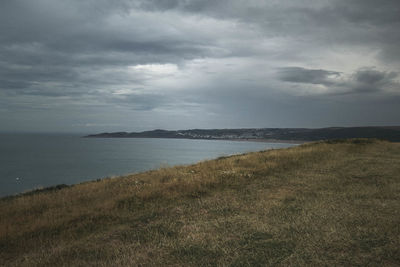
(34, 161)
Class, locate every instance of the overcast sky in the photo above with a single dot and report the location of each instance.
(120, 65)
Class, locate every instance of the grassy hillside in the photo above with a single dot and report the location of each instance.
(328, 203)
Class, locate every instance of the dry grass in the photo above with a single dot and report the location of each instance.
(329, 203)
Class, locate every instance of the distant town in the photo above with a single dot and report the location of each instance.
(390, 133)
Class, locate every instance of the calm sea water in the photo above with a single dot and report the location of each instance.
(29, 161)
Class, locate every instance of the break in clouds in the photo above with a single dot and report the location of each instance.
(102, 65)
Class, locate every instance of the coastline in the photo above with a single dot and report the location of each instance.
(84, 160)
(272, 135)
(263, 140)
(295, 142)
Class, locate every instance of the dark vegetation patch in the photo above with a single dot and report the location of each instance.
(261, 249)
(199, 255)
(356, 141)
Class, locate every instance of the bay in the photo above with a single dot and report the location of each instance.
(31, 161)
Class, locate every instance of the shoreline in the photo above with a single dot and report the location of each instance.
(295, 142)
(299, 142)
(272, 135)
(57, 186)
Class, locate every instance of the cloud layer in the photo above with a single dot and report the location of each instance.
(135, 65)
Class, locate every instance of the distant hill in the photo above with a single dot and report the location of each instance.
(390, 133)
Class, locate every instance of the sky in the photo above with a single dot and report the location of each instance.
(133, 65)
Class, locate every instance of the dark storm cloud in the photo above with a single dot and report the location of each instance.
(373, 77)
(364, 80)
(369, 80)
(302, 75)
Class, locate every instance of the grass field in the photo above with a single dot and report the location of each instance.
(321, 204)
